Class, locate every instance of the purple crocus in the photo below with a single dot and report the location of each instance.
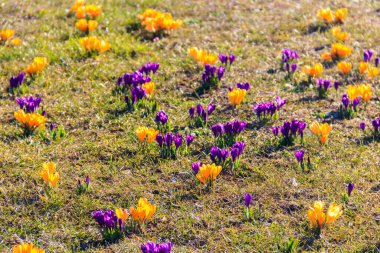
(29, 104)
(288, 55)
(376, 124)
(301, 127)
(345, 101)
(16, 81)
(53, 126)
(376, 62)
(224, 154)
(189, 139)
(293, 67)
(178, 141)
(87, 180)
(161, 117)
(191, 112)
(223, 58)
(214, 153)
(336, 85)
(107, 219)
(362, 125)
(231, 58)
(368, 55)
(199, 109)
(195, 166)
(243, 86)
(275, 130)
(350, 188)
(159, 139)
(210, 108)
(248, 199)
(168, 139)
(280, 102)
(151, 247)
(324, 83)
(299, 155)
(234, 154)
(221, 70)
(285, 129)
(217, 129)
(356, 102)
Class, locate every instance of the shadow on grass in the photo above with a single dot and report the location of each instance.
(366, 140)
(312, 28)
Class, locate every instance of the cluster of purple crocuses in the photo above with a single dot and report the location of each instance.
(161, 118)
(227, 60)
(367, 55)
(200, 119)
(376, 125)
(268, 109)
(220, 155)
(244, 86)
(288, 56)
(16, 81)
(348, 109)
(226, 134)
(29, 104)
(322, 87)
(166, 141)
(212, 75)
(151, 247)
(110, 225)
(131, 82)
(289, 131)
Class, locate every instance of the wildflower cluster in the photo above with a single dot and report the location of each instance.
(319, 219)
(289, 131)
(151, 247)
(227, 157)
(288, 62)
(199, 116)
(329, 16)
(36, 66)
(268, 110)
(7, 35)
(321, 131)
(228, 133)
(156, 21)
(351, 100)
(202, 56)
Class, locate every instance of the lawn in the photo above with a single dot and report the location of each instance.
(79, 93)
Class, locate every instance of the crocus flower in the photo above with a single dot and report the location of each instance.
(373, 72)
(377, 62)
(224, 154)
(36, 66)
(235, 152)
(151, 247)
(220, 73)
(93, 44)
(148, 87)
(247, 199)
(199, 109)
(367, 55)
(322, 131)
(30, 121)
(214, 153)
(344, 67)
(161, 117)
(143, 212)
(231, 58)
(178, 140)
(195, 166)
(243, 86)
(236, 96)
(318, 219)
(191, 112)
(29, 104)
(336, 85)
(323, 83)
(189, 139)
(293, 67)
(288, 55)
(356, 102)
(208, 173)
(217, 129)
(301, 127)
(159, 139)
(202, 56)
(210, 108)
(122, 214)
(313, 71)
(168, 139)
(49, 175)
(280, 102)
(240, 146)
(362, 125)
(26, 248)
(376, 124)
(299, 155)
(275, 130)
(223, 58)
(350, 188)
(16, 81)
(345, 101)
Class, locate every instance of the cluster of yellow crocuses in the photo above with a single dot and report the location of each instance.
(94, 44)
(143, 212)
(83, 10)
(318, 218)
(313, 71)
(27, 248)
(8, 35)
(363, 90)
(329, 16)
(208, 172)
(36, 66)
(338, 34)
(236, 96)
(146, 134)
(365, 67)
(30, 121)
(155, 21)
(322, 131)
(202, 56)
(49, 175)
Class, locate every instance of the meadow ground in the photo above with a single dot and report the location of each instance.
(78, 94)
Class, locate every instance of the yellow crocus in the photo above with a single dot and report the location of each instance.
(236, 96)
(144, 211)
(363, 67)
(322, 131)
(326, 15)
(77, 5)
(86, 26)
(340, 14)
(93, 10)
(151, 135)
(313, 71)
(372, 72)
(81, 12)
(353, 92)
(326, 56)
(154, 21)
(48, 175)
(26, 248)
(149, 87)
(338, 34)
(6, 34)
(365, 92)
(344, 67)
(36, 66)
(141, 133)
(340, 51)
(208, 173)
(30, 121)
(122, 214)
(333, 213)
(16, 42)
(93, 44)
(202, 56)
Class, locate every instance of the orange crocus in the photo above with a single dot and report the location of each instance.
(48, 175)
